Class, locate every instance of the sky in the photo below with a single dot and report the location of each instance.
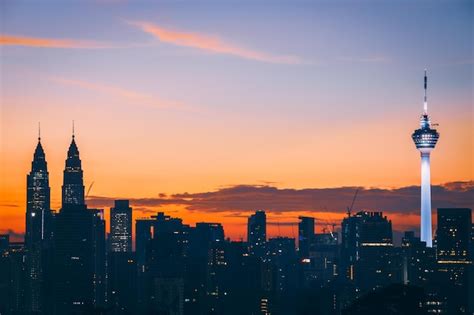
(209, 110)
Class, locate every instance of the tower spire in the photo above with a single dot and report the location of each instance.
(73, 129)
(39, 131)
(425, 101)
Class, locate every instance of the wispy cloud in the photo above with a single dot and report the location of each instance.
(121, 93)
(209, 43)
(39, 42)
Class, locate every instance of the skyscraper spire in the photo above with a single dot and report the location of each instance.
(38, 231)
(37, 197)
(73, 183)
(39, 131)
(425, 102)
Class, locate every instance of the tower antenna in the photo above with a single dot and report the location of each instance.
(39, 131)
(425, 102)
(73, 129)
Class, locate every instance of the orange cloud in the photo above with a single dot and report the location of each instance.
(210, 44)
(12, 40)
(121, 93)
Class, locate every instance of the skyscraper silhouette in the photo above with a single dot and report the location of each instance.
(454, 257)
(121, 227)
(305, 235)
(38, 211)
(73, 185)
(38, 228)
(79, 240)
(257, 233)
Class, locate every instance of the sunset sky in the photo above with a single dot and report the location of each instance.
(209, 110)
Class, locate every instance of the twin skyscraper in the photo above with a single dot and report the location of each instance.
(65, 250)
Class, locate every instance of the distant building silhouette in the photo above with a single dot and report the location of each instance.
(257, 233)
(121, 227)
(305, 236)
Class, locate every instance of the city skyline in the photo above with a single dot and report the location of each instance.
(237, 157)
(242, 135)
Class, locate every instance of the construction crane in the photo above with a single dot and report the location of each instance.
(349, 209)
(89, 189)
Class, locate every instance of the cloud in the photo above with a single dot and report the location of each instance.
(120, 93)
(39, 42)
(210, 43)
(242, 199)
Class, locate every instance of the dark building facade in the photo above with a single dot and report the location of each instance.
(122, 283)
(305, 236)
(160, 249)
(79, 247)
(366, 249)
(453, 240)
(257, 233)
(121, 227)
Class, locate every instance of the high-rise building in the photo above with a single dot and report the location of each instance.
(160, 247)
(282, 254)
(79, 247)
(305, 235)
(425, 139)
(419, 260)
(73, 185)
(453, 235)
(122, 282)
(38, 213)
(454, 260)
(99, 250)
(366, 248)
(121, 227)
(323, 256)
(38, 229)
(257, 233)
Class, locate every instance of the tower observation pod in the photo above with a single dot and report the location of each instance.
(425, 139)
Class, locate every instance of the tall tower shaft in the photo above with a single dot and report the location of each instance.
(425, 139)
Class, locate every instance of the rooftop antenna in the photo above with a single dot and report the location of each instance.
(73, 129)
(39, 131)
(425, 100)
